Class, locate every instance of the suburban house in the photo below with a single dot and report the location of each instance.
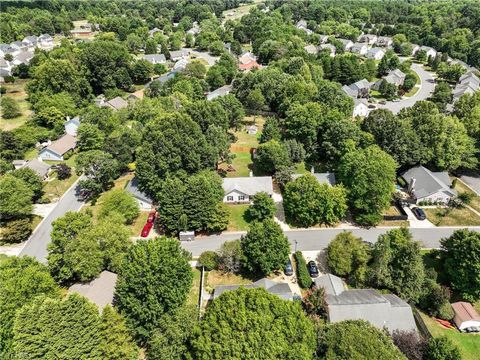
(328, 47)
(144, 201)
(58, 148)
(6, 49)
(179, 54)
(360, 89)
(241, 189)
(71, 125)
(221, 91)
(359, 48)
(431, 52)
(381, 310)
(155, 58)
(282, 290)
(466, 317)
(195, 29)
(249, 66)
(415, 49)
(40, 168)
(23, 57)
(116, 103)
(370, 39)
(347, 44)
(375, 53)
(311, 49)
(360, 108)
(45, 42)
(425, 185)
(384, 41)
(246, 57)
(99, 291)
(5, 68)
(323, 39)
(395, 77)
(18, 46)
(30, 42)
(154, 31)
(302, 25)
(468, 83)
(180, 65)
(461, 90)
(322, 178)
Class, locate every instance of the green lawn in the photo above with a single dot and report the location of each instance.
(469, 344)
(3, 258)
(192, 298)
(17, 92)
(215, 277)
(236, 217)
(452, 217)
(462, 188)
(415, 89)
(55, 188)
(139, 222)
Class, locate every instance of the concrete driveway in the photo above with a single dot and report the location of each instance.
(427, 85)
(211, 60)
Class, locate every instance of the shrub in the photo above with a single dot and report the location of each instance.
(16, 231)
(209, 259)
(10, 108)
(63, 171)
(263, 207)
(445, 311)
(122, 202)
(314, 302)
(303, 277)
(410, 344)
(3, 90)
(230, 256)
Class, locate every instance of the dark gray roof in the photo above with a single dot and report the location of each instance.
(117, 103)
(322, 178)
(428, 182)
(40, 168)
(282, 290)
(99, 291)
(332, 284)
(132, 188)
(355, 297)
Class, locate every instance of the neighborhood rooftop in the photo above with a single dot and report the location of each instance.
(280, 289)
(426, 182)
(248, 185)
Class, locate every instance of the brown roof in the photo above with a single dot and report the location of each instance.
(65, 143)
(250, 65)
(464, 311)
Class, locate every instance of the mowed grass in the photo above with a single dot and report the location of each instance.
(17, 92)
(193, 294)
(452, 217)
(54, 189)
(139, 223)
(462, 188)
(469, 344)
(415, 89)
(236, 217)
(215, 277)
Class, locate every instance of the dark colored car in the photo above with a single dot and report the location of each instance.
(151, 217)
(289, 269)
(312, 269)
(146, 229)
(419, 213)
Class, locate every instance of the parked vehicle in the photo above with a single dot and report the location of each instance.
(419, 213)
(383, 102)
(371, 106)
(146, 229)
(151, 217)
(289, 269)
(313, 269)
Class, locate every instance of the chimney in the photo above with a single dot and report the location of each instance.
(411, 185)
(68, 118)
(312, 170)
(251, 173)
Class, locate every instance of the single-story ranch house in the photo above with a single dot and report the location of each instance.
(58, 148)
(425, 185)
(241, 189)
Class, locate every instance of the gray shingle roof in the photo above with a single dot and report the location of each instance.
(61, 146)
(322, 178)
(428, 182)
(132, 188)
(221, 91)
(155, 58)
(248, 185)
(117, 103)
(332, 284)
(99, 291)
(40, 168)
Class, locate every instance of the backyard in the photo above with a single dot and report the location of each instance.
(17, 92)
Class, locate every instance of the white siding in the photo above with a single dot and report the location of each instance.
(236, 197)
(441, 196)
(47, 154)
(360, 110)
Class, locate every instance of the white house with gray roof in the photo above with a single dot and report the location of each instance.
(425, 185)
(431, 52)
(71, 125)
(375, 53)
(282, 290)
(359, 48)
(143, 200)
(380, 310)
(221, 91)
(370, 39)
(328, 47)
(179, 54)
(58, 148)
(241, 189)
(155, 58)
(468, 83)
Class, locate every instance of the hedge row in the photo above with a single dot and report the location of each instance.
(303, 277)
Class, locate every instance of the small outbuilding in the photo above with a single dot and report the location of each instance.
(466, 317)
(186, 235)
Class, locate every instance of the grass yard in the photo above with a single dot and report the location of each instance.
(236, 217)
(192, 298)
(452, 217)
(238, 12)
(396, 223)
(462, 188)
(469, 344)
(214, 278)
(17, 92)
(55, 188)
(139, 222)
(3, 258)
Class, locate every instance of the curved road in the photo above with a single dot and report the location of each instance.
(318, 239)
(427, 85)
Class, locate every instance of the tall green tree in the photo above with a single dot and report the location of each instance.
(369, 176)
(32, 180)
(348, 256)
(21, 280)
(460, 254)
(251, 323)
(265, 248)
(121, 202)
(263, 207)
(153, 280)
(15, 198)
(397, 264)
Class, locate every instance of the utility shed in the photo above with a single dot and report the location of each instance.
(466, 318)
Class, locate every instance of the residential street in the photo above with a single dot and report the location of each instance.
(36, 246)
(309, 240)
(427, 86)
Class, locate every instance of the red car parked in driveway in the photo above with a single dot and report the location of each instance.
(146, 229)
(151, 217)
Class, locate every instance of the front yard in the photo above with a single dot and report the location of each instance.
(452, 216)
(17, 92)
(54, 189)
(237, 220)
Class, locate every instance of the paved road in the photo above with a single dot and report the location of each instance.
(473, 181)
(36, 246)
(311, 240)
(211, 60)
(427, 85)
